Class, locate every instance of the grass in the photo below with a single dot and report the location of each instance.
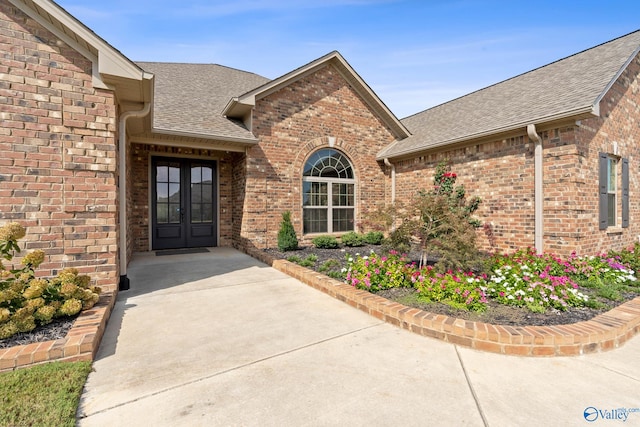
(42, 395)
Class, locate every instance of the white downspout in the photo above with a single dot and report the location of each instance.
(539, 190)
(122, 184)
(393, 179)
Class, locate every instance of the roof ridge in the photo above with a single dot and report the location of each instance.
(201, 64)
(522, 74)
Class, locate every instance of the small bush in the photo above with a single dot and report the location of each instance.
(352, 239)
(325, 242)
(27, 301)
(374, 238)
(287, 240)
(333, 268)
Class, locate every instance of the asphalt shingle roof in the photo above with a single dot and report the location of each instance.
(191, 97)
(557, 89)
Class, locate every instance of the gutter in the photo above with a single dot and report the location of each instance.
(122, 184)
(591, 110)
(539, 188)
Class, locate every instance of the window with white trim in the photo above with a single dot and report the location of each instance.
(328, 192)
(611, 196)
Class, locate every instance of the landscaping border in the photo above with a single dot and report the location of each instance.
(604, 332)
(81, 342)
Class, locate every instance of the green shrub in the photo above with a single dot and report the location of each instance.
(287, 240)
(27, 301)
(309, 261)
(352, 239)
(325, 242)
(374, 238)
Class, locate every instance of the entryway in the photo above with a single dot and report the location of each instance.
(184, 211)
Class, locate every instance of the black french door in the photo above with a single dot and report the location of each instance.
(183, 203)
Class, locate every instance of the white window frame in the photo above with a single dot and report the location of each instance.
(329, 207)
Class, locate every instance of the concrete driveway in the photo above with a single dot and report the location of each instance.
(220, 339)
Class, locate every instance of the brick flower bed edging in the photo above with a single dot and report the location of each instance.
(604, 332)
(80, 343)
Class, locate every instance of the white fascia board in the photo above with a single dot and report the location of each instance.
(108, 61)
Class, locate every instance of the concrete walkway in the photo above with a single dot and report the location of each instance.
(220, 339)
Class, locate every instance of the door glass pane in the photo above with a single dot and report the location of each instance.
(196, 194)
(162, 192)
(174, 174)
(162, 174)
(207, 213)
(163, 213)
(174, 193)
(201, 194)
(315, 221)
(174, 213)
(207, 174)
(207, 193)
(196, 214)
(167, 193)
(196, 175)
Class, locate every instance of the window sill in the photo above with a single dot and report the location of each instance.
(615, 230)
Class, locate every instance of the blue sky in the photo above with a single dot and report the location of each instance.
(414, 54)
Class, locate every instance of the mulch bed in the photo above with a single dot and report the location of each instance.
(57, 329)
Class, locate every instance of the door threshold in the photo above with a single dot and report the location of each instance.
(183, 251)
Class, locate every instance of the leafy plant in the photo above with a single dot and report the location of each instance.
(325, 242)
(457, 289)
(333, 268)
(523, 279)
(27, 301)
(439, 222)
(352, 239)
(374, 273)
(374, 238)
(287, 239)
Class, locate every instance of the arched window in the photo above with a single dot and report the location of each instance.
(328, 189)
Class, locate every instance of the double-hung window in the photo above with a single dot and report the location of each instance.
(611, 196)
(328, 188)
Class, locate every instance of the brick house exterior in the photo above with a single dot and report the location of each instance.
(500, 166)
(102, 157)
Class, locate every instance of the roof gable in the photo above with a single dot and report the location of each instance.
(189, 99)
(111, 69)
(568, 88)
(240, 107)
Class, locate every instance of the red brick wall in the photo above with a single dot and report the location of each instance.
(619, 121)
(139, 161)
(316, 111)
(57, 150)
(502, 173)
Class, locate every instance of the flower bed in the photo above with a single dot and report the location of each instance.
(522, 279)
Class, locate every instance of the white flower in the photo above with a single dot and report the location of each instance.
(344, 269)
(510, 297)
(365, 257)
